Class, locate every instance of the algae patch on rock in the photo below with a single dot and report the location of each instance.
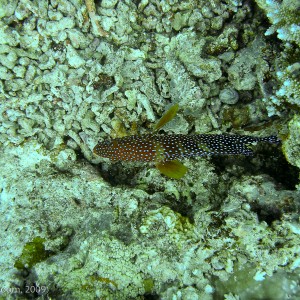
(33, 253)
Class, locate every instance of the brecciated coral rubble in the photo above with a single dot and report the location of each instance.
(64, 84)
(91, 239)
(291, 145)
(285, 23)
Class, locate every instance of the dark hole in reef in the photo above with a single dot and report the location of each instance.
(275, 165)
(57, 46)
(103, 60)
(151, 296)
(218, 219)
(267, 213)
(116, 174)
(103, 81)
(123, 234)
(181, 206)
(266, 159)
(79, 155)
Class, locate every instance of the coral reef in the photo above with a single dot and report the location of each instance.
(291, 146)
(76, 226)
(97, 240)
(285, 21)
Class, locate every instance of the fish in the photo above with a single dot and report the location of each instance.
(165, 149)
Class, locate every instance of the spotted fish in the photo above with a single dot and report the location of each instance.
(164, 150)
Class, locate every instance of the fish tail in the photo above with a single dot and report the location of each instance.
(272, 139)
(225, 144)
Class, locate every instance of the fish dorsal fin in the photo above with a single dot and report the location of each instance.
(167, 117)
(173, 168)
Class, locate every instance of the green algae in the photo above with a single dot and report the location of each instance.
(33, 253)
(148, 284)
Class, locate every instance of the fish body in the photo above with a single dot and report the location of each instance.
(162, 148)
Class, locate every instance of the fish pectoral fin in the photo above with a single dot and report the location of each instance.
(167, 117)
(173, 169)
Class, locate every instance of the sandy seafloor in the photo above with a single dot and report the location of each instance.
(78, 226)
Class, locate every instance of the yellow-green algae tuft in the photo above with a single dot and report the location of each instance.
(33, 253)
